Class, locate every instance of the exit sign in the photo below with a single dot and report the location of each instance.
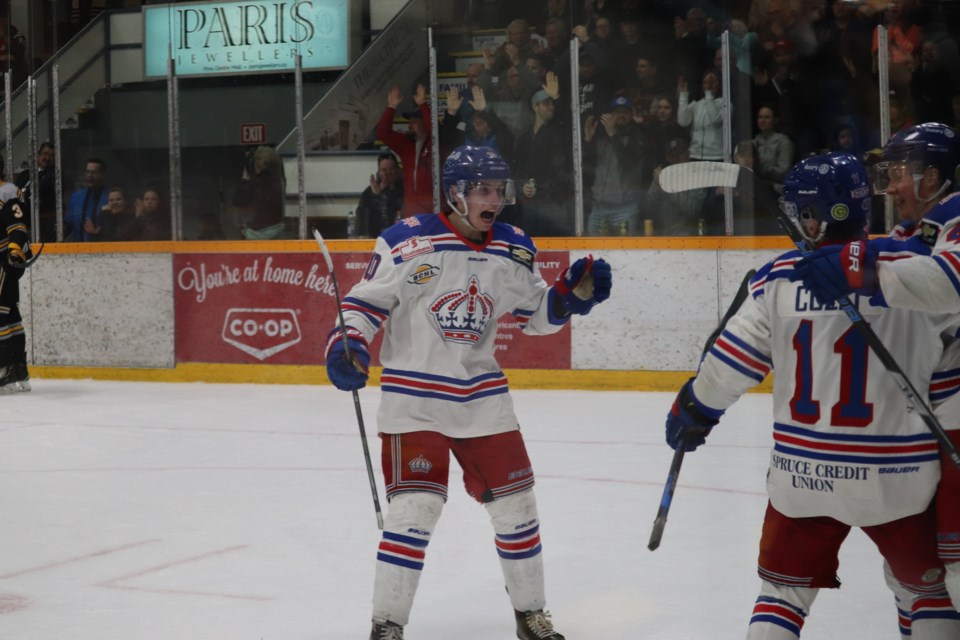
(253, 133)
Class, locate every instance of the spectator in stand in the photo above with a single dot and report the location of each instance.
(558, 42)
(663, 127)
(605, 38)
(262, 191)
(777, 83)
(620, 151)
(595, 89)
(87, 203)
(381, 203)
(117, 222)
(510, 97)
(903, 44)
(44, 197)
(485, 130)
(628, 49)
(415, 149)
(774, 150)
(675, 214)
(649, 81)
(844, 138)
(930, 86)
(153, 217)
(743, 43)
(543, 168)
(518, 45)
(692, 52)
(704, 117)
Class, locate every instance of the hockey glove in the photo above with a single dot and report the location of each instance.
(347, 374)
(15, 254)
(584, 284)
(834, 271)
(689, 421)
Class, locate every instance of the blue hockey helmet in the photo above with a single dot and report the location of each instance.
(466, 166)
(833, 189)
(930, 144)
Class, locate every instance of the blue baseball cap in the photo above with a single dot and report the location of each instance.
(621, 102)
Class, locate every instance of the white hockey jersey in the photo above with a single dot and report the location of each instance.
(845, 443)
(932, 282)
(438, 296)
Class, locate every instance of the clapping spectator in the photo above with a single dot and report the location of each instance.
(117, 221)
(703, 116)
(620, 151)
(87, 203)
(543, 168)
(381, 202)
(415, 149)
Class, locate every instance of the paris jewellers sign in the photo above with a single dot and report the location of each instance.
(218, 38)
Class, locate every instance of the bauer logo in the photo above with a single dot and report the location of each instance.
(261, 333)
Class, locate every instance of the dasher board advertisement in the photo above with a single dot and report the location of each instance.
(278, 309)
(222, 38)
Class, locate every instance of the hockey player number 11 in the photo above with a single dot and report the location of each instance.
(852, 410)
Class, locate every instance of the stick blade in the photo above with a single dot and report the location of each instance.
(698, 175)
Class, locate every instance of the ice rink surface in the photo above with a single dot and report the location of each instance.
(142, 511)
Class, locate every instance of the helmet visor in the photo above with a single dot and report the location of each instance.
(894, 172)
(494, 192)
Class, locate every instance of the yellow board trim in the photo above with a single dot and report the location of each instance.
(587, 380)
(704, 243)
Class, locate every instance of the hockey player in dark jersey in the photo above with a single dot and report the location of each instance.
(14, 254)
(442, 280)
(849, 451)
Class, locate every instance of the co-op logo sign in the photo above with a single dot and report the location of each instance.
(261, 332)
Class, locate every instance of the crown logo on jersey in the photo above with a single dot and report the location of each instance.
(463, 315)
(420, 465)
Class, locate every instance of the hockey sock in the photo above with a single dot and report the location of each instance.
(407, 527)
(517, 529)
(780, 612)
(923, 616)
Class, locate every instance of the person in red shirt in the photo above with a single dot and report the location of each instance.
(415, 149)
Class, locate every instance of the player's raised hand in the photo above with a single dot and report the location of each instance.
(584, 284)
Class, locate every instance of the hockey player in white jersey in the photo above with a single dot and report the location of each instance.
(847, 450)
(920, 173)
(436, 284)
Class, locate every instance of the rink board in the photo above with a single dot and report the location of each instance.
(260, 311)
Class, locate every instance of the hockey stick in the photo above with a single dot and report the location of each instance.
(29, 263)
(356, 396)
(698, 175)
(674, 473)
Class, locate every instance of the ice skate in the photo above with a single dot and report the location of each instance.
(14, 379)
(386, 631)
(535, 625)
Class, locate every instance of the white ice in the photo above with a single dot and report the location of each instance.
(141, 511)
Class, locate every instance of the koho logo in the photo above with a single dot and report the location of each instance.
(261, 332)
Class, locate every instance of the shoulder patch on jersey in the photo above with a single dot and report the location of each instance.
(522, 255)
(413, 247)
